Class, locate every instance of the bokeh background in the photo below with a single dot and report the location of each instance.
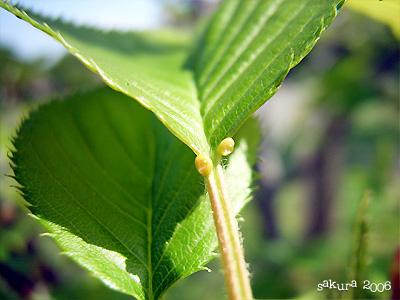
(327, 203)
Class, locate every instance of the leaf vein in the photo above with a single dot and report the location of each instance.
(76, 200)
(236, 76)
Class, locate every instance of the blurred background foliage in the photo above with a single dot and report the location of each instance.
(327, 203)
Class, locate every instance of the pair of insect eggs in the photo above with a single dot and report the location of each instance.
(203, 162)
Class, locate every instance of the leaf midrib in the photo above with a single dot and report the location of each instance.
(198, 242)
(123, 147)
(166, 165)
(154, 197)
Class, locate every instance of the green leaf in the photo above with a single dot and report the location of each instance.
(247, 51)
(148, 67)
(239, 64)
(119, 193)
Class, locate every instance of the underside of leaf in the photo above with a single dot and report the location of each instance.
(119, 193)
(247, 51)
(240, 62)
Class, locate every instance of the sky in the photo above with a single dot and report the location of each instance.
(28, 43)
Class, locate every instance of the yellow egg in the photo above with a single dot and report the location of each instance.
(203, 164)
(226, 146)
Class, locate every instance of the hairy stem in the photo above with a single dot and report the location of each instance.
(236, 274)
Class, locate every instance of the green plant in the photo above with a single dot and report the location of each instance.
(117, 191)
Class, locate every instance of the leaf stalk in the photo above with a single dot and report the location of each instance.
(235, 271)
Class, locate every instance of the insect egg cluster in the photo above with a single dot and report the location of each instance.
(203, 162)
